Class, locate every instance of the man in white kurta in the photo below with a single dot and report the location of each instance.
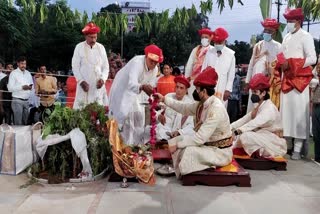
(263, 54)
(260, 130)
(223, 60)
(129, 90)
(173, 123)
(196, 58)
(294, 105)
(91, 69)
(210, 145)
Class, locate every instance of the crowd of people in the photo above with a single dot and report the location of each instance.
(198, 111)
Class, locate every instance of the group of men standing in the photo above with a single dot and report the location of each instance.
(275, 70)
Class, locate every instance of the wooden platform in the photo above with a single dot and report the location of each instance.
(216, 177)
(161, 152)
(262, 164)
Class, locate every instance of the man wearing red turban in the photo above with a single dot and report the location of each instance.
(260, 130)
(91, 69)
(130, 90)
(299, 54)
(210, 144)
(222, 59)
(263, 54)
(197, 56)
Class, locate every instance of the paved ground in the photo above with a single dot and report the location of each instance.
(295, 191)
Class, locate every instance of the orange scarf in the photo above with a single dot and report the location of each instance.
(200, 55)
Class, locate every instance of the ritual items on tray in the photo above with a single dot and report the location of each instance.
(130, 161)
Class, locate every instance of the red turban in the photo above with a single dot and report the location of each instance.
(259, 82)
(154, 53)
(205, 31)
(181, 79)
(220, 34)
(90, 28)
(207, 78)
(270, 23)
(294, 14)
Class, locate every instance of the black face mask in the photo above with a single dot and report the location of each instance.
(195, 96)
(255, 98)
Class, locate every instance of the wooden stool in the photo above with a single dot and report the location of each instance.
(161, 153)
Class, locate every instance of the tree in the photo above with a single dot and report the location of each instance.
(243, 51)
(112, 8)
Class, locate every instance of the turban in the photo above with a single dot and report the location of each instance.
(154, 53)
(220, 34)
(294, 14)
(270, 23)
(259, 82)
(90, 28)
(207, 78)
(181, 79)
(205, 31)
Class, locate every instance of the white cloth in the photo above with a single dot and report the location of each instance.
(2, 75)
(262, 63)
(192, 155)
(17, 79)
(225, 66)
(90, 65)
(174, 120)
(189, 67)
(294, 106)
(260, 133)
(126, 99)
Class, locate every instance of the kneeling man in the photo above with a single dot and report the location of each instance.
(210, 145)
(261, 129)
(172, 123)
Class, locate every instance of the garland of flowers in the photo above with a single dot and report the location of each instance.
(153, 118)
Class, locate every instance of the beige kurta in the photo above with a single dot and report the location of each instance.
(261, 133)
(192, 155)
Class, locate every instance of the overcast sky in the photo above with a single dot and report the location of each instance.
(241, 22)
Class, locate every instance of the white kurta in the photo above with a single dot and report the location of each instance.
(90, 65)
(225, 66)
(192, 155)
(294, 106)
(174, 121)
(262, 63)
(127, 101)
(189, 67)
(261, 133)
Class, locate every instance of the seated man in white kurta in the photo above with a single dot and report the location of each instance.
(91, 69)
(173, 123)
(260, 130)
(210, 145)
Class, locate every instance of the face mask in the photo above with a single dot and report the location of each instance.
(205, 42)
(219, 47)
(290, 27)
(195, 96)
(255, 98)
(267, 37)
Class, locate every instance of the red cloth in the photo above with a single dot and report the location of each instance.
(108, 85)
(166, 84)
(259, 82)
(207, 78)
(296, 77)
(71, 91)
(294, 14)
(205, 31)
(220, 34)
(90, 28)
(154, 52)
(181, 79)
(270, 23)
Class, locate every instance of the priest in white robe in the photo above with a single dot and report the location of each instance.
(297, 45)
(210, 145)
(260, 131)
(91, 69)
(172, 123)
(223, 60)
(129, 93)
(263, 54)
(196, 58)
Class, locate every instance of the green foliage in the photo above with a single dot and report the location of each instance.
(242, 50)
(59, 159)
